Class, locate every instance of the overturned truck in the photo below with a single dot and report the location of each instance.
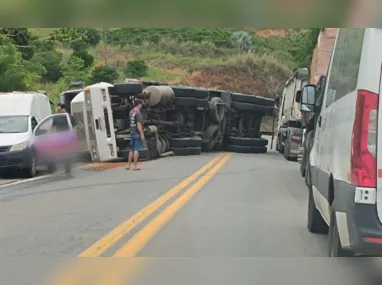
(178, 120)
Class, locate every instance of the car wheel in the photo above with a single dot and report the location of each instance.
(31, 171)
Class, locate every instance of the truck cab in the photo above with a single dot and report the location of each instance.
(290, 123)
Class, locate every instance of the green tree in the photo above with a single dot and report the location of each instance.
(16, 74)
(77, 38)
(51, 60)
(104, 73)
(22, 39)
(76, 70)
(85, 56)
(136, 68)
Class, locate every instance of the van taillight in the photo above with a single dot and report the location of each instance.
(364, 140)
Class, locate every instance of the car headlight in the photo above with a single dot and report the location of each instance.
(19, 146)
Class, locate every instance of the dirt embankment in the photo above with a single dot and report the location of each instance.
(262, 77)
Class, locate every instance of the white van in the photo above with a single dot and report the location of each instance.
(19, 115)
(345, 163)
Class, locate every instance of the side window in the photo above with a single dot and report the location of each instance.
(345, 66)
(33, 123)
(45, 127)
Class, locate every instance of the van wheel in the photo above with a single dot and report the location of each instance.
(335, 247)
(316, 224)
(31, 171)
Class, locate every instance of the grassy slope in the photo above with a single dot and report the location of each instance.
(190, 63)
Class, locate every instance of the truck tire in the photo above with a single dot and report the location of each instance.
(195, 150)
(247, 149)
(316, 224)
(247, 141)
(251, 99)
(215, 113)
(200, 102)
(184, 102)
(180, 142)
(183, 92)
(126, 89)
(195, 141)
(180, 151)
(211, 137)
(251, 108)
(200, 93)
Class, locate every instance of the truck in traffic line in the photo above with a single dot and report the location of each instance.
(318, 71)
(290, 123)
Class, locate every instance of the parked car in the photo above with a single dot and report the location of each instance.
(344, 172)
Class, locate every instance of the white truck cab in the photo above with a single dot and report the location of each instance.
(344, 173)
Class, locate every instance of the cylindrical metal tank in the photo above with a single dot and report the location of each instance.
(159, 96)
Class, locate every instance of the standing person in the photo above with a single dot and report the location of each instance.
(137, 135)
(61, 108)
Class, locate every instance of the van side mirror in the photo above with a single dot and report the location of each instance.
(308, 98)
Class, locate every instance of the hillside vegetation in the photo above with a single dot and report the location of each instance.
(253, 61)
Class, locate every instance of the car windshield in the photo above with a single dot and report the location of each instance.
(13, 124)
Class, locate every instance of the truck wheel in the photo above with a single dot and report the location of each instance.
(316, 224)
(258, 100)
(184, 102)
(126, 89)
(335, 247)
(211, 137)
(180, 151)
(247, 141)
(215, 111)
(252, 108)
(247, 149)
(195, 150)
(180, 142)
(200, 102)
(195, 141)
(200, 93)
(182, 92)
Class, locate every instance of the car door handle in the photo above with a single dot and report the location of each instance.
(319, 121)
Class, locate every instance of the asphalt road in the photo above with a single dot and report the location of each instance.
(241, 219)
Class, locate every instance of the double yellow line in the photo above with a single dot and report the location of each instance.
(142, 237)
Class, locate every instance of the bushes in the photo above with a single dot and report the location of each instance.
(219, 36)
(51, 60)
(85, 56)
(136, 68)
(104, 73)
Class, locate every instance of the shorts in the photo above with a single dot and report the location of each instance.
(136, 143)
